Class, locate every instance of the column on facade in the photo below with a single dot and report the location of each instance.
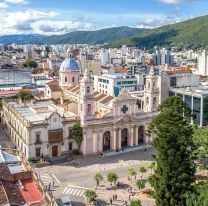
(136, 135)
(100, 134)
(84, 145)
(95, 142)
(202, 111)
(131, 142)
(113, 139)
(119, 139)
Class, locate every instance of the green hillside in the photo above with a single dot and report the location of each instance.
(92, 37)
(188, 34)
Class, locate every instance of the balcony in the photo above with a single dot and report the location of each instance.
(38, 142)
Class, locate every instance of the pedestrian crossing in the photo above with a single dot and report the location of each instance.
(74, 191)
(48, 179)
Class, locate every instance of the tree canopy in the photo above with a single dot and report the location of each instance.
(30, 63)
(24, 94)
(77, 134)
(175, 168)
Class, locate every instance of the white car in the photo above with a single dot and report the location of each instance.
(65, 201)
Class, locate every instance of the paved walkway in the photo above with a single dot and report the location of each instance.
(75, 179)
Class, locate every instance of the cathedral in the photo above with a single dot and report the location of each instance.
(43, 126)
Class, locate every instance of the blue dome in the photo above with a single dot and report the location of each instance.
(69, 65)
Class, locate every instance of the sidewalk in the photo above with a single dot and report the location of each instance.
(126, 150)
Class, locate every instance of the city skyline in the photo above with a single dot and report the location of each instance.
(51, 17)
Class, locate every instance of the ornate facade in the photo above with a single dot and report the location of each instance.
(109, 123)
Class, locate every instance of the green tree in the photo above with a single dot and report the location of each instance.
(98, 177)
(175, 168)
(200, 195)
(140, 184)
(142, 170)
(151, 166)
(135, 203)
(90, 195)
(30, 63)
(132, 172)
(77, 134)
(24, 94)
(176, 104)
(112, 178)
(201, 142)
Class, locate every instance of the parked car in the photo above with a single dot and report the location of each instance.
(65, 201)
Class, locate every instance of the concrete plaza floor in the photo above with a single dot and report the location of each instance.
(72, 181)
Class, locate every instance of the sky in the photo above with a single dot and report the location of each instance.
(63, 16)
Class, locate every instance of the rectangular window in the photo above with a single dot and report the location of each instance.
(37, 152)
(37, 140)
(70, 133)
(70, 146)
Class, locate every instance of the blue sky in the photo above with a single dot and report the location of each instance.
(62, 16)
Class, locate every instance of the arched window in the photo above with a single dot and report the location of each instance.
(154, 100)
(147, 100)
(89, 109)
(148, 85)
(65, 79)
(88, 89)
(73, 79)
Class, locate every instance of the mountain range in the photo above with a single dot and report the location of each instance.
(187, 34)
(20, 38)
(92, 37)
(77, 37)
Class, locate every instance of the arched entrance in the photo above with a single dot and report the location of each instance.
(106, 141)
(124, 138)
(141, 134)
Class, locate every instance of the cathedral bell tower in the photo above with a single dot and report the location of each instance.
(87, 99)
(151, 92)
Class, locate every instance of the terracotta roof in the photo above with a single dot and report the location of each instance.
(55, 87)
(106, 100)
(40, 95)
(122, 70)
(100, 96)
(53, 82)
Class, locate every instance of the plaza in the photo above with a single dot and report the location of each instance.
(73, 180)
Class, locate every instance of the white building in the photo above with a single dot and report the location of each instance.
(203, 63)
(112, 84)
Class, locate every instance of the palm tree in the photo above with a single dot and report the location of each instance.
(77, 134)
(151, 166)
(90, 195)
(132, 172)
(140, 185)
(112, 178)
(142, 169)
(98, 177)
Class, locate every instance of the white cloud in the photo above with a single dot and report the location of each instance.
(21, 22)
(154, 23)
(3, 5)
(17, 1)
(177, 1)
(60, 27)
(33, 21)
